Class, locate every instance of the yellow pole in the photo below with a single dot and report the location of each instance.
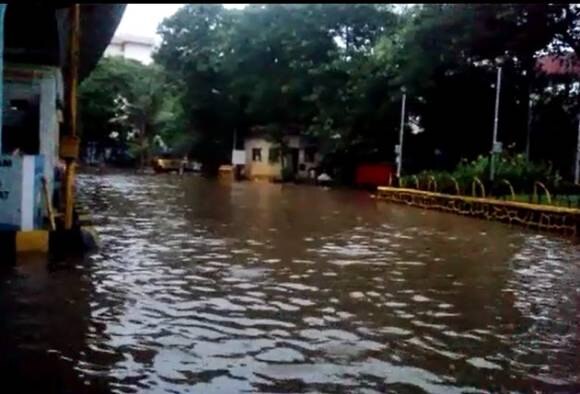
(74, 18)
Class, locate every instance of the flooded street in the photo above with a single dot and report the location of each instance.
(203, 286)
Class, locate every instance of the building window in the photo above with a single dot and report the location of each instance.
(309, 155)
(274, 155)
(21, 126)
(256, 154)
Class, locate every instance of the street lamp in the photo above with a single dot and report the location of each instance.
(532, 99)
(399, 148)
(496, 146)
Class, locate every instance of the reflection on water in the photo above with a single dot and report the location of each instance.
(210, 287)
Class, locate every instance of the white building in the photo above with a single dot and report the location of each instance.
(263, 156)
(131, 47)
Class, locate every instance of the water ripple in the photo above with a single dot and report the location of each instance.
(208, 287)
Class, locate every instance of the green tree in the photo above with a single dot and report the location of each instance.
(337, 72)
(97, 95)
(270, 65)
(446, 56)
(126, 104)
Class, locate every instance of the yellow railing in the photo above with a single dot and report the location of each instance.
(417, 184)
(535, 194)
(477, 181)
(457, 190)
(505, 181)
(432, 182)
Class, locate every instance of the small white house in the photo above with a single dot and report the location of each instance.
(264, 161)
(132, 47)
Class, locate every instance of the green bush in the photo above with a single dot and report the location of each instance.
(521, 173)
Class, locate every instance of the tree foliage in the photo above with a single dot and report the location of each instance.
(337, 71)
(127, 104)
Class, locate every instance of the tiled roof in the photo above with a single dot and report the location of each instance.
(559, 65)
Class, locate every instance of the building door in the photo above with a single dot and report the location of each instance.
(294, 154)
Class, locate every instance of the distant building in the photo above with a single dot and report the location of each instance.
(264, 161)
(559, 65)
(131, 47)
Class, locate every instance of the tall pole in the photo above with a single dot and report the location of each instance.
(235, 140)
(401, 132)
(529, 127)
(74, 20)
(495, 124)
(236, 166)
(577, 166)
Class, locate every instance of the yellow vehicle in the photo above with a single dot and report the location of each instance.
(169, 164)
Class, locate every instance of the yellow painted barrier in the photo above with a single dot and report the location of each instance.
(547, 217)
(32, 241)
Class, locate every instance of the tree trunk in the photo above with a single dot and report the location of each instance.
(143, 147)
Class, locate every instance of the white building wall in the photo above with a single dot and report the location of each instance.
(20, 177)
(263, 168)
(114, 50)
(136, 48)
(138, 52)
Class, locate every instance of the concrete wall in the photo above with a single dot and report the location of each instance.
(261, 169)
(21, 192)
(265, 168)
(138, 52)
(131, 50)
(49, 84)
(51, 88)
(114, 49)
(21, 201)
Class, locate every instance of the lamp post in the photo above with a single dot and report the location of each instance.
(533, 98)
(496, 147)
(577, 165)
(235, 140)
(401, 133)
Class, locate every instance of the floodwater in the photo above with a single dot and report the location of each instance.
(204, 286)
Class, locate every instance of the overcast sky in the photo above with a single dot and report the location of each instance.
(143, 19)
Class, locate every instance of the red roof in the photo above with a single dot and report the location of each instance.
(559, 65)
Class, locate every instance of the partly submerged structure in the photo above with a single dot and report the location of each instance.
(42, 67)
(262, 159)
